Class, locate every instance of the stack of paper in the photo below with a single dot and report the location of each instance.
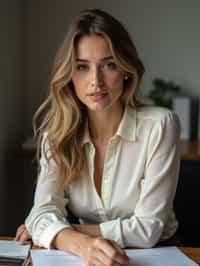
(54, 257)
(13, 254)
(166, 256)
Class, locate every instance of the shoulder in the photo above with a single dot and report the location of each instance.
(154, 114)
(157, 121)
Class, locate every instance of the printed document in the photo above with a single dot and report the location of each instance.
(165, 256)
(10, 248)
(13, 254)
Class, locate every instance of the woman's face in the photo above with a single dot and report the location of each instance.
(98, 81)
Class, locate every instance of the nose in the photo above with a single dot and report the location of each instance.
(97, 78)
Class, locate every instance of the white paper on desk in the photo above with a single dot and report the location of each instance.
(10, 248)
(165, 256)
(54, 257)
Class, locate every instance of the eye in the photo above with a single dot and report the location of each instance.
(110, 66)
(82, 67)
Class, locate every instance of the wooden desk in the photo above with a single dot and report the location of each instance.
(190, 150)
(193, 253)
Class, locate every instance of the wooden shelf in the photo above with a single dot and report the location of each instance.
(190, 150)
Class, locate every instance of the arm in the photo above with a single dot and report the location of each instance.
(145, 227)
(88, 229)
(48, 215)
(49, 227)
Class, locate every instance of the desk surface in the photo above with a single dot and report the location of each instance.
(190, 150)
(193, 253)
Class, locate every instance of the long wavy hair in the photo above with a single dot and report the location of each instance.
(62, 116)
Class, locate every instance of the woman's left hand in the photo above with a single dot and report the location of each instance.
(22, 234)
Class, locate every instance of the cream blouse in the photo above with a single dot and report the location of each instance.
(139, 182)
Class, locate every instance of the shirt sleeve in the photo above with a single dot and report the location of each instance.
(158, 187)
(48, 215)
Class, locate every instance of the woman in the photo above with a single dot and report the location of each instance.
(113, 162)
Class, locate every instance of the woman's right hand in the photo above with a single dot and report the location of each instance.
(99, 251)
(22, 234)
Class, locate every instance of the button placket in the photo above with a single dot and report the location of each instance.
(99, 201)
(102, 215)
(91, 159)
(107, 173)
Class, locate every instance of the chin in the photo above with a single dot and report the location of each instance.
(101, 106)
(98, 107)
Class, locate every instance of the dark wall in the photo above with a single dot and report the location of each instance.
(12, 113)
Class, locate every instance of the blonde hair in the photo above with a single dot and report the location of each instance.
(63, 115)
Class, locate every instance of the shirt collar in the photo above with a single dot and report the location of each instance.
(126, 129)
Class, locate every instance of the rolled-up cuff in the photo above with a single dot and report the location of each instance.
(112, 230)
(47, 236)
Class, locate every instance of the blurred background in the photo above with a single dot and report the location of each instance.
(167, 37)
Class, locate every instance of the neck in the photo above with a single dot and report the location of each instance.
(103, 125)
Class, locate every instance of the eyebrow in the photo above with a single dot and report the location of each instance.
(102, 59)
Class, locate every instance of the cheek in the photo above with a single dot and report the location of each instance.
(79, 86)
(115, 82)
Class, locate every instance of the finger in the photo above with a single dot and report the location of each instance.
(18, 235)
(21, 227)
(20, 231)
(95, 261)
(112, 252)
(24, 237)
(22, 240)
(97, 256)
(119, 258)
(118, 248)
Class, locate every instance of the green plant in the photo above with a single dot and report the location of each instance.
(163, 92)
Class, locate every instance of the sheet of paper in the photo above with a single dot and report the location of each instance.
(10, 248)
(54, 257)
(165, 256)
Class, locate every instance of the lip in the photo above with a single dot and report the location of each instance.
(97, 96)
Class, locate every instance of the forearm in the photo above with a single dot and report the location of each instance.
(90, 249)
(88, 229)
(72, 241)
